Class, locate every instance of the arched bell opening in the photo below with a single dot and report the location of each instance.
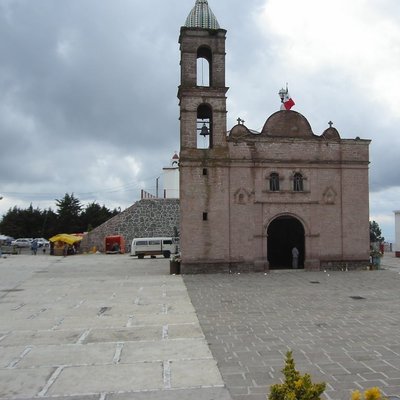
(204, 67)
(284, 233)
(204, 127)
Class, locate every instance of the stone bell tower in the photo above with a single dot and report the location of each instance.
(202, 102)
(202, 89)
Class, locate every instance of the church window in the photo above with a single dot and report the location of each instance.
(205, 216)
(204, 127)
(274, 182)
(203, 66)
(298, 182)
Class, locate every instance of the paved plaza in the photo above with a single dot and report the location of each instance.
(343, 328)
(112, 327)
(100, 327)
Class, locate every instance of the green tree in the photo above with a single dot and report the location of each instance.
(32, 221)
(375, 233)
(18, 222)
(94, 215)
(69, 209)
(49, 224)
(10, 223)
(69, 218)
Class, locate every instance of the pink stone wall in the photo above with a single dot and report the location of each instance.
(204, 240)
(333, 207)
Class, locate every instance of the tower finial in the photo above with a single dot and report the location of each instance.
(286, 100)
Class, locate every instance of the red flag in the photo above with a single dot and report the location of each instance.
(288, 102)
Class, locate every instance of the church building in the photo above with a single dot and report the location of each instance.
(247, 198)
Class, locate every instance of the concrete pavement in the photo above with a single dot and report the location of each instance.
(100, 327)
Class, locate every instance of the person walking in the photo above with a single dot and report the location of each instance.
(34, 247)
(65, 250)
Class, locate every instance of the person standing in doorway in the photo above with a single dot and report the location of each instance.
(295, 258)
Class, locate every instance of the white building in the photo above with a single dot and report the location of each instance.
(171, 179)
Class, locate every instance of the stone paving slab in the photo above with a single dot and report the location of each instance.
(161, 319)
(24, 323)
(180, 349)
(181, 331)
(174, 394)
(104, 321)
(135, 334)
(343, 328)
(23, 383)
(39, 337)
(108, 378)
(73, 354)
(9, 354)
(195, 373)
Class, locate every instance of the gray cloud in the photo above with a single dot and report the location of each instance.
(88, 95)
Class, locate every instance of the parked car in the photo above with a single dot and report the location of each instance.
(5, 240)
(42, 242)
(22, 242)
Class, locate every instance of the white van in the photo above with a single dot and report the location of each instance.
(154, 246)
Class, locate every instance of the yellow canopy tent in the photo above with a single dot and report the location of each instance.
(66, 238)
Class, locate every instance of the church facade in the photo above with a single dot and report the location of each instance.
(247, 198)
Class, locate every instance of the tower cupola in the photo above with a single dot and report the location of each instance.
(201, 16)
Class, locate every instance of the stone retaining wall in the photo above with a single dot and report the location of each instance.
(145, 218)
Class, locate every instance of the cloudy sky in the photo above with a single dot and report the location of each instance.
(88, 89)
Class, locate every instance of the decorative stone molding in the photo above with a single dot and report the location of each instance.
(329, 196)
(242, 196)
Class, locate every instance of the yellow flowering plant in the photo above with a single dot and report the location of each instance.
(295, 386)
(370, 394)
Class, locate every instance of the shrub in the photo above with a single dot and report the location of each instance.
(370, 394)
(295, 386)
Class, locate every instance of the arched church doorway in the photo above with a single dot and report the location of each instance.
(284, 233)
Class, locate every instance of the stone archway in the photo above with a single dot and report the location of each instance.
(284, 233)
